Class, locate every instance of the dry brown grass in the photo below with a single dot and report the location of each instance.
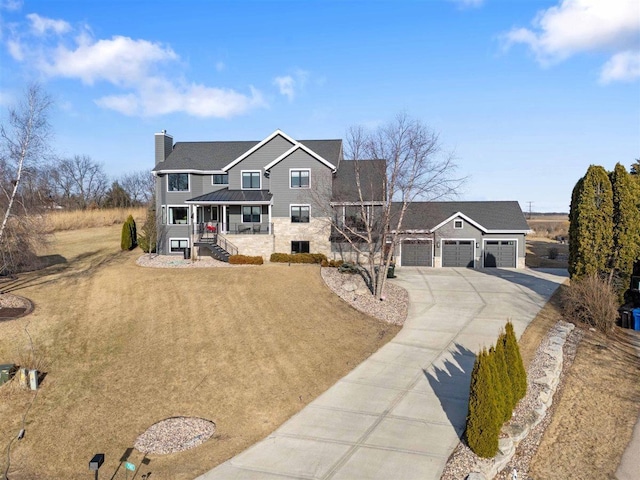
(63, 220)
(537, 254)
(244, 347)
(596, 410)
(549, 226)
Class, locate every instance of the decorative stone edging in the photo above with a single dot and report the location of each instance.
(10, 300)
(546, 387)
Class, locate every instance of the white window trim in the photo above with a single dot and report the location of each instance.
(484, 246)
(461, 224)
(299, 170)
(250, 206)
(220, 173)
(179, 206)
(178, 239)
(188, 182)
(299, 205)
(259, 172)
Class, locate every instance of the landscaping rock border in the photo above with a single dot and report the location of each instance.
(16, 305)
(525, 429)
(175, 434)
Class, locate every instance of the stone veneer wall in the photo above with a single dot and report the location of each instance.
(253, 245)
(316, 232)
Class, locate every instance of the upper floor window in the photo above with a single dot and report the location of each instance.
(457, 224)
(251, 180)
(300, 178)
(221, 179)
(178, 182)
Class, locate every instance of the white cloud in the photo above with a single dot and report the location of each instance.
(286, 85)
(11, 5)
(576, 26)
(290, 85)
(623, 66)
(133, 66)
(41, 25)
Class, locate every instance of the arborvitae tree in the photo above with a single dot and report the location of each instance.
(505, 380)
(499, 387)
(482, 426)
(129, 237)
(515, 367)
(626, 224)
(591, 224)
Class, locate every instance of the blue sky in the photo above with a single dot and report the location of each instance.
(527, 94)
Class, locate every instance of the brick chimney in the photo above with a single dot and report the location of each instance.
(164, 146)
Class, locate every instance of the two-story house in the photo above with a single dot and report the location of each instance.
(282, 194)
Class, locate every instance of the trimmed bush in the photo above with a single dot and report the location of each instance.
(246, 260)
(128, 240)
(515, 367)
(298, 258)
(483, 419)
(148, 233)
(506, 386)
(347, 267)
(553, 253)
(331, 263)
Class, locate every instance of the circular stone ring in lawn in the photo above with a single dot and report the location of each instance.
(13, 306)
(175, 434)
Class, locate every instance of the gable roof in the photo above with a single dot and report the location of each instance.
(372, 173)
(299, 146)
(490, 217)
(217, 157)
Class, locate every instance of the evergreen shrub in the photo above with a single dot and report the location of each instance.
(128, 240)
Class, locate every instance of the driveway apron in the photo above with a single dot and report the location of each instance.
(401, 412)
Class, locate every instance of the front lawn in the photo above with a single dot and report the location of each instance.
(245, 347)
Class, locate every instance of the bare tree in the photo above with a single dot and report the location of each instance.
(393, 166)
(139, 185)
(81, 181)
(24, 142)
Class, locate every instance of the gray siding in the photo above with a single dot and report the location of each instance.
(319, 182)
(257, 161)
(467, 232)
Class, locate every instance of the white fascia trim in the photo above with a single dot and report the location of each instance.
(523, 232)
(228, 203)
(305, 149)
(189, 170)
(258, 146)
(462, 215)
(350, 204)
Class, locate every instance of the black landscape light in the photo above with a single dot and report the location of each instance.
(96, 462)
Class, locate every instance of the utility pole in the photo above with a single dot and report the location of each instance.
(530, 203)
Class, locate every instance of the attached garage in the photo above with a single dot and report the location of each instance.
(457, 253)
(500, 253)
(416, 253)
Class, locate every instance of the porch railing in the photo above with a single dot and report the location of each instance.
(210, 229)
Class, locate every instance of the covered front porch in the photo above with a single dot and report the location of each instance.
(231, 212)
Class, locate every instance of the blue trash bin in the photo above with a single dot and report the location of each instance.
(636, 318)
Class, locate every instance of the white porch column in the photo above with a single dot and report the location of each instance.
(269, 226)
(224, 219)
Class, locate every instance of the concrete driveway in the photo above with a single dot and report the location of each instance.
(401, 412)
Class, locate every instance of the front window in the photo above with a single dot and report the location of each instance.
(299, 246)
(251, 214)
(178, 182)
(300, 213)
(178, 215)
(251, 180)
(178, 244)
(299, 178)
(221, 179)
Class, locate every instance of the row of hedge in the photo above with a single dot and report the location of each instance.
(298, 258)
(498, 383)
(246, 260)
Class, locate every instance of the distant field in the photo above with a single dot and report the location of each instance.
(62, 220)
(550, 226)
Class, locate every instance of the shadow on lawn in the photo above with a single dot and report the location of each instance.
(450, 382)
(125, 458)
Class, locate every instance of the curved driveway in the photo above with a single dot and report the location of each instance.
(400, 413)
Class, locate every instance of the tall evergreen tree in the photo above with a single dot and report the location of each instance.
(482, 426)
(515, 366)
(591, 224)
(505, 380)
(626, 224)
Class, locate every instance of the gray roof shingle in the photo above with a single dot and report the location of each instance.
(492, 215)
(372, 173)
(209, 156)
